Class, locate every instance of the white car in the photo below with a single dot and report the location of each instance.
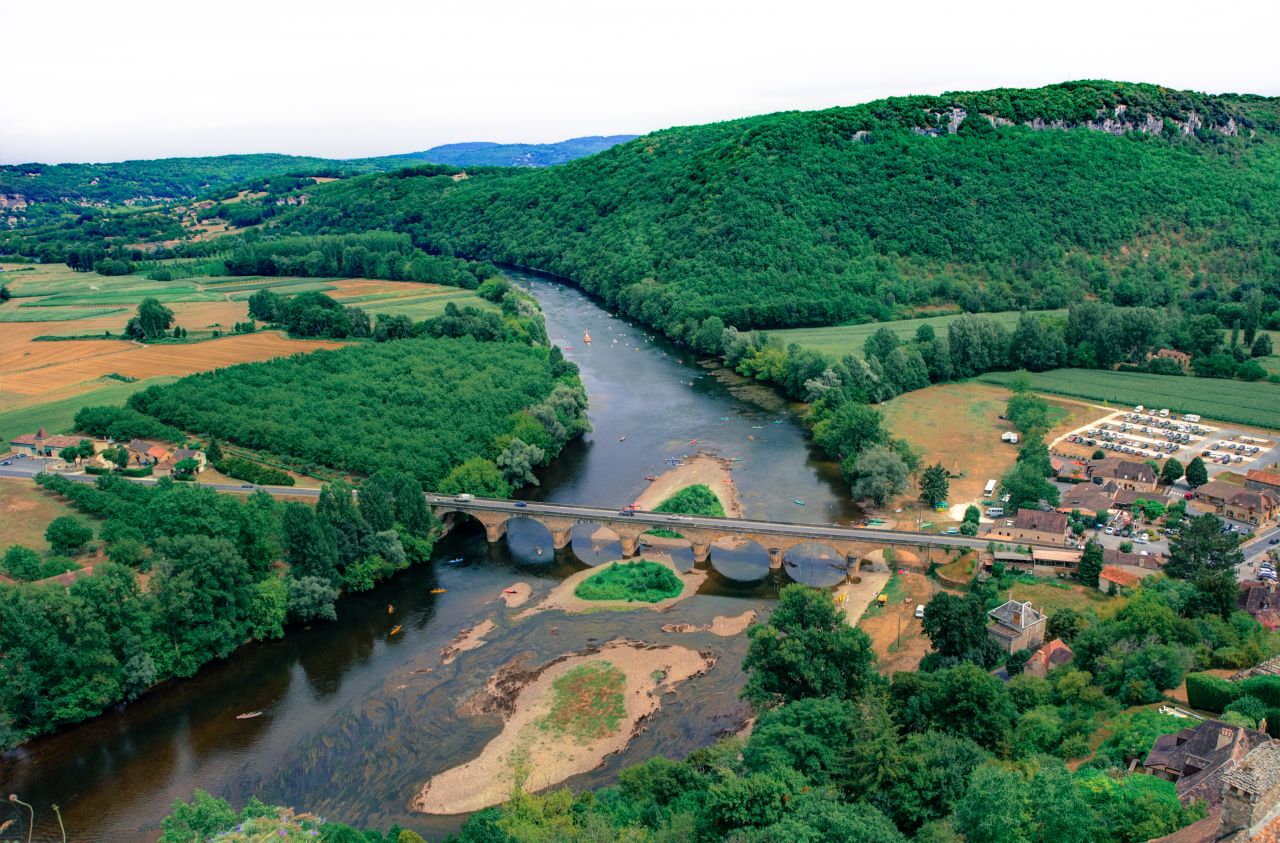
(919, 610)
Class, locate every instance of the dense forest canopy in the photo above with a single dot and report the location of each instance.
(1133, 194)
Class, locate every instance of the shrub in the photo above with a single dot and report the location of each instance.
(1209, 692)
(265, 475)
(647, 582)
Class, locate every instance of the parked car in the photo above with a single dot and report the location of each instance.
(919, 610)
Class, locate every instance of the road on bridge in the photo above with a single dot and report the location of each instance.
(813, 532)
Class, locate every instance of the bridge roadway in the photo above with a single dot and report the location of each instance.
(775, 536)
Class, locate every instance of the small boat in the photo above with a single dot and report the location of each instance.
(538, 550)
(586, 338)
(724, 418)
(651, 477)
(566, 348)
(752, 438)
(693, 441)
(391, 610)
(757, 427)
(439, 590)
(797, 502)
(453, 561)
(249, 715)
(777, 421)
(394, 630)
(622, 438)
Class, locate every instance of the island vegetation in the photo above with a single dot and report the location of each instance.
(642, 581)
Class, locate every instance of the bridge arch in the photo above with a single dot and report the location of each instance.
(493, 524)
(815, 563)
(739, 559)
(679, 548)
(529, 540)
(595, 544)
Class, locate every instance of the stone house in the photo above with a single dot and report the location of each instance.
(1053, 654)
(1126, 474)
(1262, 481)
(1250, 506)
(1033, 525)
(1243, 796)
(41, 444)
(1118, 577)
(1016, 626)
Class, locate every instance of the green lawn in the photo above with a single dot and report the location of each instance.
(1229, 401)
(57, 416)
(840, 340)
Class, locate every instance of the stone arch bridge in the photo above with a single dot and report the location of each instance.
(851, 543)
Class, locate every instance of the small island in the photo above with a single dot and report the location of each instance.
(643, 581)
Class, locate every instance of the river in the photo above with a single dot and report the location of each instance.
(355, 719)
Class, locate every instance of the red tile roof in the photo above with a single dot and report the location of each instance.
(1119, 576)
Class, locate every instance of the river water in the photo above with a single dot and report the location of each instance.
(355, 719)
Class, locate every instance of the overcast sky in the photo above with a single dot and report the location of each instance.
(104, 81)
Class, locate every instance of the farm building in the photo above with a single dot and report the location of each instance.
(1034, 525)
(1180, 357)
(40, 443)
(1016, 626)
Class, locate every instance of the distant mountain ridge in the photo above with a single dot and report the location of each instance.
(486, 154)
(182, 178)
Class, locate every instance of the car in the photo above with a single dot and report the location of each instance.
(951, 531)
(626, 512)
(521, 504)
(1111, 531)
(7, 462)
(919, 610)
(246, 485)
(1274, 541)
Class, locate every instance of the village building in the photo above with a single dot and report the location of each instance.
(1053, 654)
(1262, 481)
(1087, 498)
(41, 444)
(1126, 474)
(1034, 525)
(1250, 506)
(1137, 559)
(165, 466)
(1069, 471)
(1061, 562)
(1016, 626)
(146, 453)
(1196, 757)
(1117, 577)
(1261, 601)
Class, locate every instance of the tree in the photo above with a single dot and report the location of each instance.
(205, 817)
(1090, 564)
(880, 475)
(214, 452)
(1017, 661)
(852, 428)
(931, 777)
(186, 467)
(957, 627)
(996, 808)
(477, 476)
(1066, 623)
(1261, 346)
(1202, 547)
(517, 460)
(67, 535)
(151, 321)
(1171, 471)
(21, 563)
(973, 703)
(934, 485)
(1035, 453)
(1027, 487)
(308, 547)
(378, 502)
(311, 598)
(806, 649)
(1197, 475)
(336, 508)
(204, 597)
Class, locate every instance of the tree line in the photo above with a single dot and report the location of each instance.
(70, 652)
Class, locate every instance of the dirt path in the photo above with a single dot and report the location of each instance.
(854, 598)
(546, 756)
(710, 471)
(883, 625)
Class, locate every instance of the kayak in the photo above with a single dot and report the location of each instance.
(798, 502)
(394, 630)
(439, 590)
(249, 715)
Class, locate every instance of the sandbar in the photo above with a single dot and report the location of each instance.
(469, 639)
(517, 595)
(544, 757)
(704, 469)
(563, 598)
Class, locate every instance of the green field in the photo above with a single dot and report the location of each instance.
(427, 307)
(841, 340)
(186, 292)
(57, 416)
(62, 314)
(1255, 404)
(285, 288)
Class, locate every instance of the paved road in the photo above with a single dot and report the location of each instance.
(26, 472)
(815, 532)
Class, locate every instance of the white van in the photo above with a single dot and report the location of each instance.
(919, 610)
(465, 496)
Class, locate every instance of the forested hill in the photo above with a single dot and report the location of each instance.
(180, 178)
(518, 154)
(1132, 193)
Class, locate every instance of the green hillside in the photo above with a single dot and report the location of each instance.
(1134, 194)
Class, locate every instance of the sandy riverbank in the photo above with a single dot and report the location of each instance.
(563, 598)
(710, 471)
(544, 755)
(722, 625)
(517, 594)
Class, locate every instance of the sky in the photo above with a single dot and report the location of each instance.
(107, 81)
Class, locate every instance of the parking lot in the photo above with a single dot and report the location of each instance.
(1158, 435)
(20, 465)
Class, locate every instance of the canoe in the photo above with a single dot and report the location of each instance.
(249, 715)
(394, 629)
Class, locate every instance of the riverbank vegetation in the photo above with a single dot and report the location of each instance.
(697, 499)
(643, 581)
(212, 581)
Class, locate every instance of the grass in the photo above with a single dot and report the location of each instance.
(643, 581)
(134, 296)
(25, 512)
(57, 416)
(427, 307)
(289, 288)
(589, 702)
(1052, 596)
(61, 314)
(840, 340)
(1255, 404)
